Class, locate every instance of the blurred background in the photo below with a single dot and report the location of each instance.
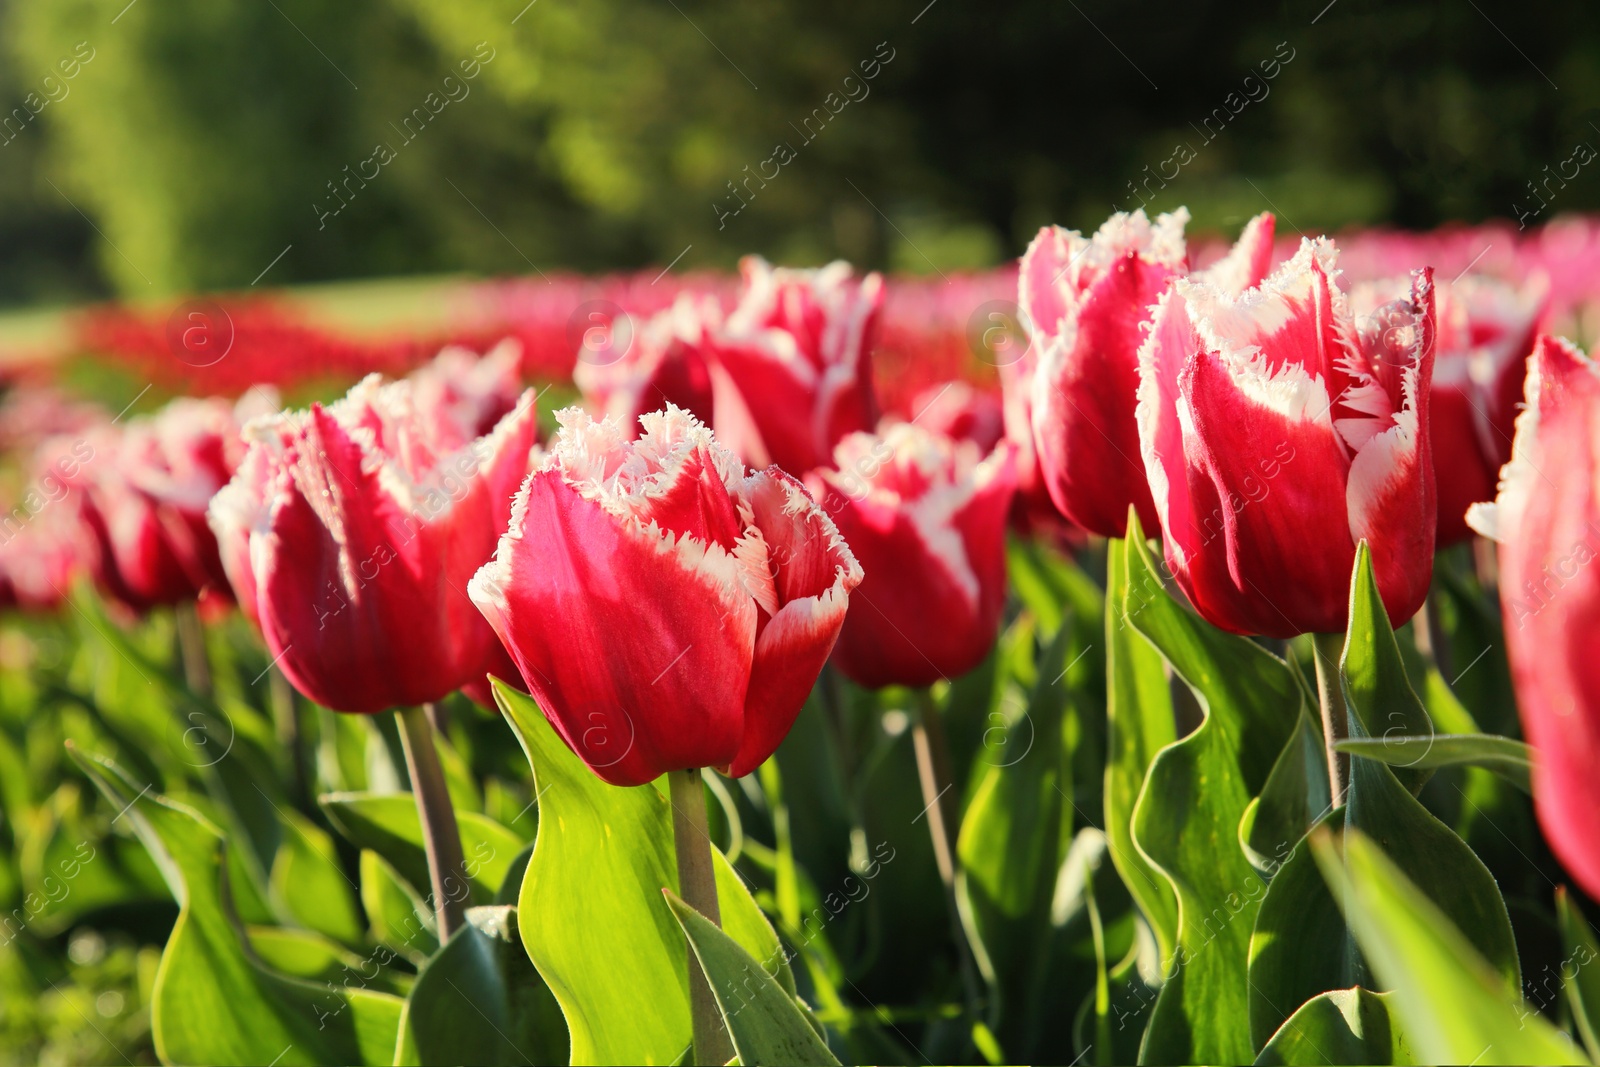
(167, 146)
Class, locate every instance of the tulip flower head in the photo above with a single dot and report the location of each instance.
(1547, 520)
(926, 515)
(461, 396)
(793, 370)
(962, 412)
(1088, 301)
(667, 608)
(349, 533)
(142, 501)
(1277, 434)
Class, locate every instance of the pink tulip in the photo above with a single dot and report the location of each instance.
(793, 370)
(1277, 435)
(667, 609)
(353, 529)
(927, 517)
(1547, 520)
(1088, 302)
(962, 412)
(460, 396)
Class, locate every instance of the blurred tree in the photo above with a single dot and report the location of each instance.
(206, 137)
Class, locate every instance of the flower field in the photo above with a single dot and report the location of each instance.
(1161, 649)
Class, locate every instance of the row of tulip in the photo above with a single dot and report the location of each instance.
(671, 571)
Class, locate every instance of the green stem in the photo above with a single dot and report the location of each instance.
(938, 794)
(441, 838)
(1335, 721)
(697, 885)
(192, 648)
(286, 724)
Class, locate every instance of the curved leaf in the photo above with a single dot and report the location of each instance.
(766, 1024)
(213, 1001)
(1510, 759)
(387, 823)
(1581, 980)
(1345, 1026)
(593, 917)
(1188, 815)
(1375, 682)
(1139, 724)
(480, 1000)
(1454, 1006)
(1295, 797)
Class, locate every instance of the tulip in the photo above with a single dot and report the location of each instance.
(1088, 304)
(350, 539)
(793, 372)
(1277, 435)
(37, 559)
(664, 363)
(667, 609)
(1547, 520)
(962, 412)
(926, 516)
(142, 499)
(1486, 329)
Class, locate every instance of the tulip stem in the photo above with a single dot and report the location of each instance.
(441, 839)
(697, 885)
(192, 648)
(938, 788)
(286, 724)
(1335, 722)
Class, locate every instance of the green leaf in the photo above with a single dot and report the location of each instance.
(1582, 983)
(1301, 945)
(1454, 1007)
(1510, 759)
(396, 912)
(1139, 724)
(593, 917)
(1375, 681)
(387, 823)
(480, 1000)
(1345, 1026)
(765, 1023)
(214, 1001)
(1188, 815)
(308, 884)
(309, 955)
(1295, 796)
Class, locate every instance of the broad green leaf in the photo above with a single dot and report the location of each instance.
(1453, 1006)
(1512, 760)
(1139, 724)
(396, 912)
(1581, 980)
(1344, 1026)
(766, 1024)
(593, 917)
(1295, 796)
(1375, 682)
(308, 884)
(480, 1000)
(214, 1001)
(387, 823)
(1301, 945)
(1188, 815)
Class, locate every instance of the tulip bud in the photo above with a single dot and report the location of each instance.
(1547, 520)
(1486, 329)
(350, 532)
(1277, 435)
(793, 370)
(667, 608)
(927, 517)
